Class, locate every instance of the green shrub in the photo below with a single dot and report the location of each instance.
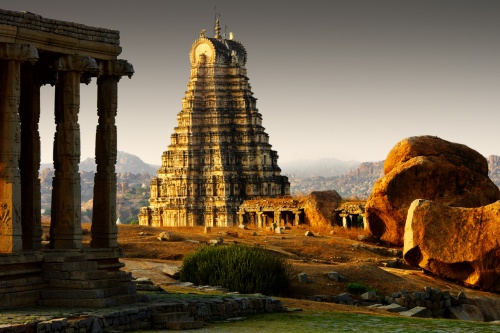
(238, 268)
(358, 288)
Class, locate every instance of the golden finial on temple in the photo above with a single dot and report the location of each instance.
(202, 33)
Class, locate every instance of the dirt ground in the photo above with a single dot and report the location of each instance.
(334, 249)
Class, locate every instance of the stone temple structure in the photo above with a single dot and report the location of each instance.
(219, 154)
(35, 51)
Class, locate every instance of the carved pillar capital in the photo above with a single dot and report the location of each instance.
(18, 52)
(85, 65)
(117, 68)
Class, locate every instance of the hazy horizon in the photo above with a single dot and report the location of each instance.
(333, 79)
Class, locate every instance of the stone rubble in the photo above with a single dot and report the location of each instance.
(432, 302)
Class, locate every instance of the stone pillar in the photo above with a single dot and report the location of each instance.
(11, 56)
(65, 228)
(29, 112)
(296, 221)
(277, 218)
(259, 220)
(241, 215)
(344, 219)
(104, 229)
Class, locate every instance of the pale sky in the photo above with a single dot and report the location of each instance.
(333, 79)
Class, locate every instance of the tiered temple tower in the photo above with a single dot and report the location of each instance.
(219, 154)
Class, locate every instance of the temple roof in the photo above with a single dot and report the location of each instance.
(226, 51)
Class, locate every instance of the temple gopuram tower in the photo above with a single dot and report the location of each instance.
(219, 154)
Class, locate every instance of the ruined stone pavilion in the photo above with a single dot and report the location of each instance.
(219, 154)
(36, 51)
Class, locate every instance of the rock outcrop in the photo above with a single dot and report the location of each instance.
(426, 167)
(319, 208)
(454, 242)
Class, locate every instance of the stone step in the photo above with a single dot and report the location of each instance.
(81, 266)
(91, 275)
(84, 276)
(87, 293)
(80, 284)
(90, 303)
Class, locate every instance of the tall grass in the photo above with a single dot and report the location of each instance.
(238, 268)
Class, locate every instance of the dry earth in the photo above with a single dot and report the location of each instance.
(329, 250)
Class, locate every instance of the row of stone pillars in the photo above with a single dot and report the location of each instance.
(262, 217)
(22, 72)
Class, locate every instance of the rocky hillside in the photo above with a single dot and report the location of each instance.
(357, 183)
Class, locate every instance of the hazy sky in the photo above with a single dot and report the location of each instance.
(334, 79)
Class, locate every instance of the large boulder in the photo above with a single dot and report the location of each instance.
(454, 242)
(319, 208)
(426, 167)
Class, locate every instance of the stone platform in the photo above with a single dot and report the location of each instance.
(159, 311)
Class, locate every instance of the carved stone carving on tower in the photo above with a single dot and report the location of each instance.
(219, 154)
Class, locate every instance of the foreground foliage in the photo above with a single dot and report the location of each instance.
(238, 268)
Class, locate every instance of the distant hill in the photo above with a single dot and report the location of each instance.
(125, 163)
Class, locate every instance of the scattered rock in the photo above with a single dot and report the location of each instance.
(466, 312)
(278, 230)
(242, 226)
(344, 298)
(217, 241)
(393, 308)
(309, 234)
(370, 296)
(143, 280)
(303, 278)
(334, 276)
(426, 167)
(418, 311)
(207, 230)
(169, 236)
(171, 271)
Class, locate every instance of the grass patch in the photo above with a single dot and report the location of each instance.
(311, 321)
(238, 268)
(358, 288)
